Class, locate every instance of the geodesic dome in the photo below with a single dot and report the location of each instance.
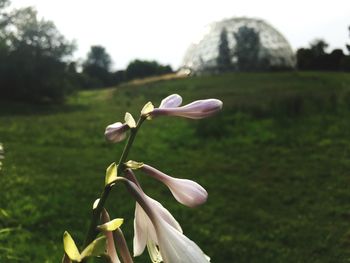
(271, 49)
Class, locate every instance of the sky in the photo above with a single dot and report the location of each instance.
(162, 30)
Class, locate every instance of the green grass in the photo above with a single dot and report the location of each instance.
(275, 162)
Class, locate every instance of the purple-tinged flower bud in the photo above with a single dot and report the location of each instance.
(172, 101)
(196, 110)
(186, 192)
(116, 132)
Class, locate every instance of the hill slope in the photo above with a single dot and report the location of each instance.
(275, 163)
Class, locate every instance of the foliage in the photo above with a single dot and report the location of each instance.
(97, 74)
(224, 57)
(348, 46)
(278, 192)
(316, 58)
(96, 68)
(4, 3)
(98, 57)
(32, 54)
(247, 49)
(143, 68)
(318, 47)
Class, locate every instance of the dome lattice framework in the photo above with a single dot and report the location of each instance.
(252, 43)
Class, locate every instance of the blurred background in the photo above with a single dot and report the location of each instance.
(275, 161)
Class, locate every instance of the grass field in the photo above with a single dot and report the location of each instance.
(275, 162)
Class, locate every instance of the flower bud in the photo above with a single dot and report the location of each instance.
(186, 192)
(116, 132)
(196, 110)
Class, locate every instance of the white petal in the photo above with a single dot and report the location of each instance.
(164, 213)
(145, 232)
(171, 101)
(140, 230)
(176, 247)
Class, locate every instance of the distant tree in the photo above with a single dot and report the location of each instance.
(119, 76)
(305, 59)
(97, 67)
(316, 57)
(33, 64)
(98, 56)
(345, 63)
(318, 47)
(224, 57)
(143, 68)
(334, 59)
(4, 20)
(4, 3)
(247, 48)
(348, 46)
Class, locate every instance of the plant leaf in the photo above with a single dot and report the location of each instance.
(129, 120)
(95, 248)
(70, 247)
(147, 108)
(133, 164)
(111, 225)
(111, 173)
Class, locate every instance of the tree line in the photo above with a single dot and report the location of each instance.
(315, 57)
(248, 55)
(36, 62)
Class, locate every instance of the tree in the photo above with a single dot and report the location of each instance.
(97, 67)
(316, 57)
(348, 46)
(32, 65)
(4, 3)
(318, 47)
(247, 49)
(224, 57)
(305, 59)
(143, 68)
(98, 56)
(3, 22)
(24, 29)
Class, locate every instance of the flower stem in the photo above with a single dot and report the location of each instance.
(122, 246)
(128, 145)
(92, 232)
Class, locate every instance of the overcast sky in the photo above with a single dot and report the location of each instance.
(162, 30)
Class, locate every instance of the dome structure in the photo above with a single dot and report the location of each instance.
(241, 44)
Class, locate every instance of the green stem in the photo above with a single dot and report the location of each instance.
(128, 145)
(92, 232)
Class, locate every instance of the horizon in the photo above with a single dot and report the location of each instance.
(153, 28)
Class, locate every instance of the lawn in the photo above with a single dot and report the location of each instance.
(275, 162)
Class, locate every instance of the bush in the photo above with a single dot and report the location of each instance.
(141, 69)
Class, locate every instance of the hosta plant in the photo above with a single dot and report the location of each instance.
(154, 226)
